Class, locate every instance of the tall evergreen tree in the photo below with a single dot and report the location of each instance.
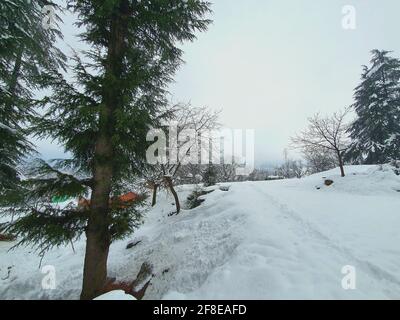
(26, 51)
(375, 133)
(103, 118)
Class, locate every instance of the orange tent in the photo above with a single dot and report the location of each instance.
(129, 197)
(123, 201)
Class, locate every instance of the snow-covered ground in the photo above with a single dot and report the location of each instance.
(259, 240)
(115, 295)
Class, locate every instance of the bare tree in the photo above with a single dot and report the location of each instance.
(318, 160)
(325, 135)
(194, 173)
(290, 168)
(227, 172)
(200, 121)
(190, 173)
(258, 175)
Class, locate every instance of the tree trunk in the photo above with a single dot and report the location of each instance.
(341, 164)
(97, 233)
(95, 268)
(171, 188)
(16, 72)
(342, 170)
(154, 200)
(98, 238)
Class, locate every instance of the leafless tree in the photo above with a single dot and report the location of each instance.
(290, 168)
(258, 175)
(201, 121)
(326, 134)
(227, 172)
(318, 160)
(189, 174)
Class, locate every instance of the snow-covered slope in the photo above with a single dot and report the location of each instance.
(259, 240)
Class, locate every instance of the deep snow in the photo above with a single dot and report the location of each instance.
(260, 240)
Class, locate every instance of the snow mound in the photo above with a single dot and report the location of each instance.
(115, 295)
(363, 180)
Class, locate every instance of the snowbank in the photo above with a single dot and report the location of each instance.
(115, 295)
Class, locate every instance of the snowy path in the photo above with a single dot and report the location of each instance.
(283, 255)
(331, 249)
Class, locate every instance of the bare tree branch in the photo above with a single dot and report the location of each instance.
(325, 134)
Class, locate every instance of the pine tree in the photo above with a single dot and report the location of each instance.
(26, 50)
(375, 133)
(102, 120)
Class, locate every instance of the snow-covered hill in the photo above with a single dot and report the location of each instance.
(259, 240)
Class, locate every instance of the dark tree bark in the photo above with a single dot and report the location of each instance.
(16, 72)
(170, 185)
(341, 163)
(97, 233)
(154, 200)
(342, 171)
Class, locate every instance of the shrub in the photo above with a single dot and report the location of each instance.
(194, 201)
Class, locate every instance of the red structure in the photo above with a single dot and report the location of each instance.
(121, 202)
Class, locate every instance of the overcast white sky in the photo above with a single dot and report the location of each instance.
(270, 64)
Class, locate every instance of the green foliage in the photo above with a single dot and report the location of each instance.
(46, 181)
(396, 167)
(26, 51)
(193, 200)
(125, 220)
(35, 219)
(13, 146)
(22, 33)
(118, 92)
(46, 227)
(136, 79)
(375, 133)
(210, 176)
